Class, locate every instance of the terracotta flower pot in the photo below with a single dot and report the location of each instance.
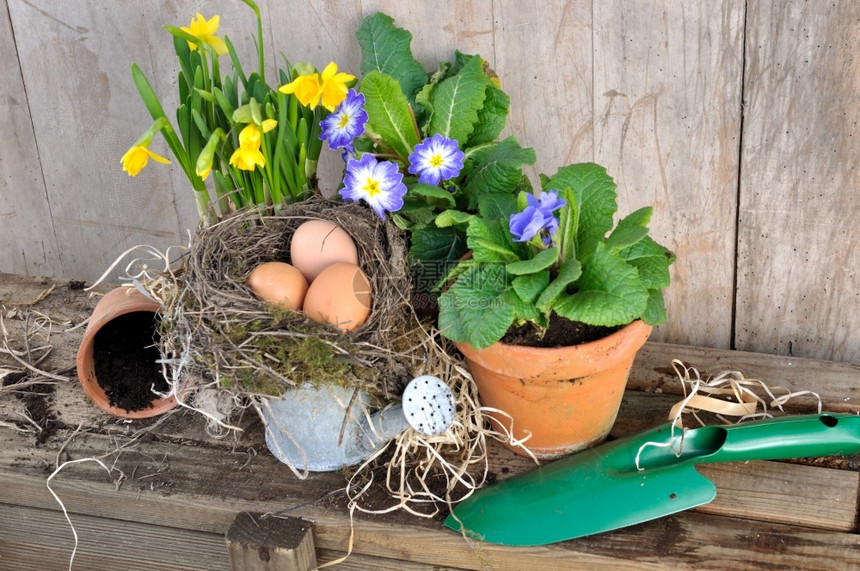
(566, 397)
(117, 302)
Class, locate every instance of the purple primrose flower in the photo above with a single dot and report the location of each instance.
(435, 159)
(537, 218)
(379, 184)
(346, 122)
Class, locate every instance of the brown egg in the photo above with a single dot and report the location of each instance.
(317, 244)
(339, 296)
(279, 284)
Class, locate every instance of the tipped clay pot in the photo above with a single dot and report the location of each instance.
(121, 301)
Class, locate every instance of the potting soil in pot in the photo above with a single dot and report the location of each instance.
(125, 356)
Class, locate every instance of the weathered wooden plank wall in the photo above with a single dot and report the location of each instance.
(736, 119)
(798, 258)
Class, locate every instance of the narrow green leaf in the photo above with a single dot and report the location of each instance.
(655, 311)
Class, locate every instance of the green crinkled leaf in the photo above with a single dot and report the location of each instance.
(477, 309)
(489, 242)
(595, 199)
(433, 243)
(541, 261)
(452, 218)
(492, 117)
(655, 311)
(430, 194)
(415, 215)
(529, 287)
(496, 205)
(631, 229)
(388, 112)
(523, 311)
(499, 169)
(652, 260)
(568, 273)
(610, 292)
(387, 49)
(456, 101)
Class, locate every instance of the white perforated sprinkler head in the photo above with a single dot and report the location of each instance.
(428, 405)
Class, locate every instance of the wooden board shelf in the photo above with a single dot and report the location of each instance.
(175, 493)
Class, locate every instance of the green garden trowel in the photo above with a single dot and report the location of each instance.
(638, 478)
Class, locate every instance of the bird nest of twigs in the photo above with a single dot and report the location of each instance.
(214, 325)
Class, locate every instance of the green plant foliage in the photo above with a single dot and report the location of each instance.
(582, 274)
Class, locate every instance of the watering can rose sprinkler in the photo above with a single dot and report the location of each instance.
(329, 427)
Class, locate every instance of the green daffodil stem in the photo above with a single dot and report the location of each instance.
(259, 38)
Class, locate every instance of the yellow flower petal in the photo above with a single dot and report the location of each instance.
(306, 89)
(137, 157)
(250, 137)
(157, 158)
(205, 31)
(269, 124)
(246, 159)
(333, 88)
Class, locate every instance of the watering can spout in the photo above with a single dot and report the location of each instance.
(427, 406)
(328, 428)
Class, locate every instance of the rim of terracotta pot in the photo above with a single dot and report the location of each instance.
(593, 356)
(117, 302)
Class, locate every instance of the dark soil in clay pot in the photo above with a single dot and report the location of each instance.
(562, 332)
(125, 356)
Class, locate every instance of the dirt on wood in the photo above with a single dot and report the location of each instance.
(126, 361)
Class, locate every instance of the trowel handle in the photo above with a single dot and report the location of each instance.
(787, 437)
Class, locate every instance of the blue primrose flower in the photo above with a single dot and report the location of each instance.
(346, 122)
(548, 201)
(435, 159)
(537, 218)
(527, 224)
(378, 184)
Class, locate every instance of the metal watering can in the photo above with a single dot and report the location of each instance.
(329, 427)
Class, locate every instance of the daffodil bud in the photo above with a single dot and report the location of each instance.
(207, 155)
(243, 114)
(304, 68)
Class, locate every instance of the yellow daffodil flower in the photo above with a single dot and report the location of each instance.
(248, 155)
(333, 86)
(306, 88)
(247, 158)
(310, 89)
(136, 158)
(139, 154)
(204, 30)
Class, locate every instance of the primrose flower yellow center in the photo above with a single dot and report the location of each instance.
(371, 188)
(437, 160)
